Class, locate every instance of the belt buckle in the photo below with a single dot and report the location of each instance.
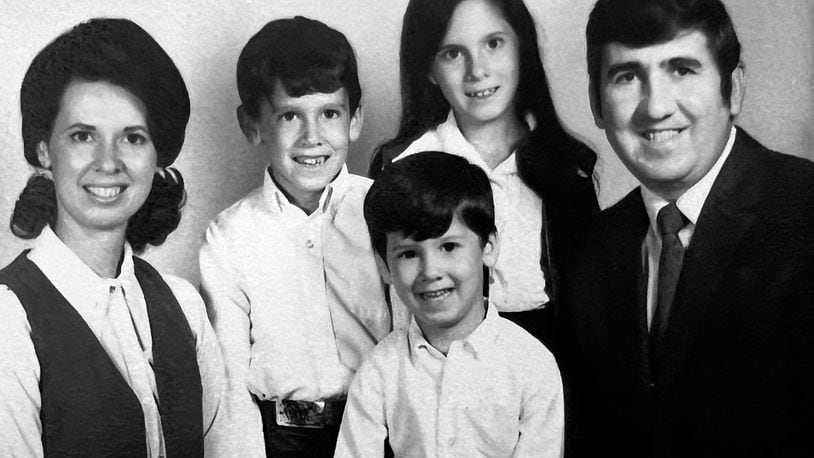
(302, 414)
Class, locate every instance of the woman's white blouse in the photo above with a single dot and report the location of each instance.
(116, 312)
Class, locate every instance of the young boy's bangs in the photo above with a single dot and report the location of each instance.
(311, 80)
(426, 220)
(432, 218)
(419, 195)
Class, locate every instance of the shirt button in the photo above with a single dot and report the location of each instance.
(451, 441)
(145, 401)
(309, 244)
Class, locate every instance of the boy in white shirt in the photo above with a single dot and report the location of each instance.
(288, 271)
(461, 381)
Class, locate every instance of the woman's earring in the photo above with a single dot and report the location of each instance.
(44, 172)
(42, 155)
(167, 173)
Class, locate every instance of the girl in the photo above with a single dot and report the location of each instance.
(99, 353)
(473, 85)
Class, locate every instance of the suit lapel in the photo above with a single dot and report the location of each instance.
(727, 215)
(625, 319)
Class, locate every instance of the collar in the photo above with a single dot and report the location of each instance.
(447, 137)
(477, 342)
(453, 142)
(278, 202)
(692, 201)
(74, 279)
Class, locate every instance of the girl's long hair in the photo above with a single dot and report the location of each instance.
(549, 147)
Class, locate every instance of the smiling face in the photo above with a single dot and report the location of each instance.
(440, 280)
(307, 139)
(477, 65)
(663, 112)
(101, 156)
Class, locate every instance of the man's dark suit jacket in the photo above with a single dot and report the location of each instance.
(736, 369)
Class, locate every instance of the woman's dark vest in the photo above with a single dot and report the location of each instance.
(88, 409)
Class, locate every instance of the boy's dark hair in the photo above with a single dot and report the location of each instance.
(419, 195)
(639, 23)
(305, 56)
(119, 52)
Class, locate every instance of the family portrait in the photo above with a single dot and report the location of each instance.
(413, 228)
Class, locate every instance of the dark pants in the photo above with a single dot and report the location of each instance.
(290, 441)
(536, 322)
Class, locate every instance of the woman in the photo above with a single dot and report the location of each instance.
(473, 85)
(99, 353)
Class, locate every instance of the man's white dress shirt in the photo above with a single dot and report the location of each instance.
(690, 203)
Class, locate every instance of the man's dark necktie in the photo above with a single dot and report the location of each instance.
(670, 220)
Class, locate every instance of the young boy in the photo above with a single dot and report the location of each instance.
(461, 381)
(288, 271)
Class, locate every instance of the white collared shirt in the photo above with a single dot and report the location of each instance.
(89, 294)
(496, 393)
(690, 203)
(296, 299)
(517, 282)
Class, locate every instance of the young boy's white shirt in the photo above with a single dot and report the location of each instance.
(296, 300)
(497, 393)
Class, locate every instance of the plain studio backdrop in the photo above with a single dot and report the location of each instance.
(204, 39)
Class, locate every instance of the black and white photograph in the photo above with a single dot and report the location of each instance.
(407, 228)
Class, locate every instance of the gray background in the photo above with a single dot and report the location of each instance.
(204, 39)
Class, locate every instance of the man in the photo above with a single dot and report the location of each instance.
(690, 331)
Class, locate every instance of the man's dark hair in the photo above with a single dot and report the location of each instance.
(419, 195)
(639, 23)
(305, 56)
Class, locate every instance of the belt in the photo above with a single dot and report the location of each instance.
(304, 414)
